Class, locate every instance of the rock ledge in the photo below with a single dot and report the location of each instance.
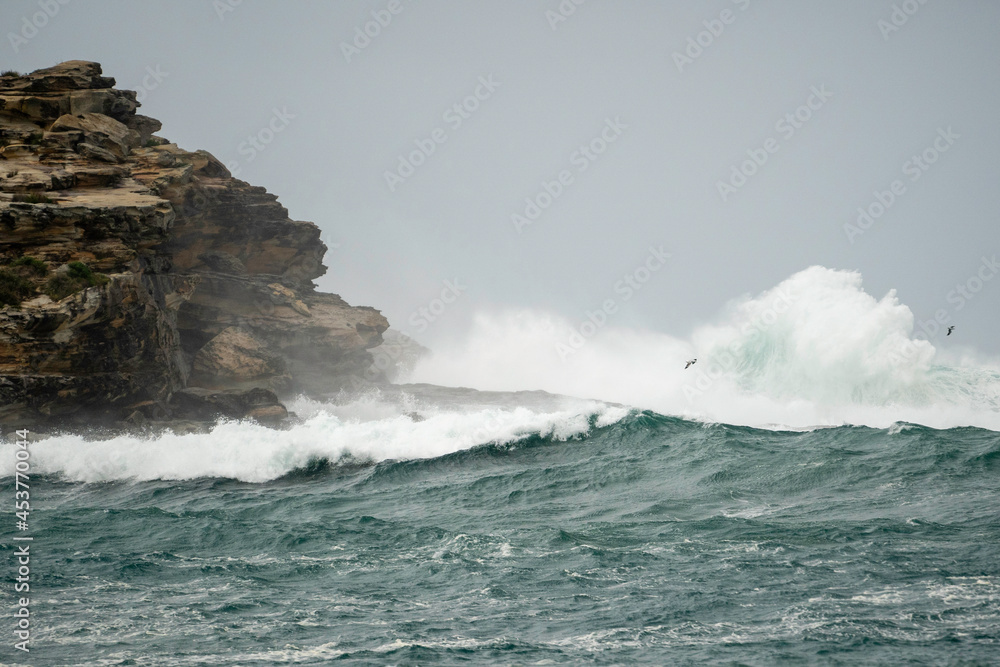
(140, 282)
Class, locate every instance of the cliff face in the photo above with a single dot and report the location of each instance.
(138, 279)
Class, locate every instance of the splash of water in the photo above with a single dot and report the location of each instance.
(364, 429)
(814, 350)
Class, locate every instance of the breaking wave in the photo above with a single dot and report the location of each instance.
(814, 350)
(365, 429)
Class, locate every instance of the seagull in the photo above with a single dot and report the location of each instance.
(690, 363)
(950, 329)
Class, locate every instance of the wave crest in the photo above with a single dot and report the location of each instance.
(815, 349)
(369, 428)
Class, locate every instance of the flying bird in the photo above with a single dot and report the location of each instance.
(690, 363)
(950, 329)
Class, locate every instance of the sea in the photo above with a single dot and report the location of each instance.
(803, 494)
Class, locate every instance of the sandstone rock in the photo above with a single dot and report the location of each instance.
(205, 404)
(62, 180)
(235, 357)
(73, 87)
(66, 140)
(100, 130)
(144, 127)
(34, 108)
(66, 76)
(268, 414)
(223, 262)
(209, 296)
(332, 340)
(93, 176)
(281, 294)
(97, 153)
(87, 355)
(107, 102)
(165, 159)
(12, 151)
(396, 357)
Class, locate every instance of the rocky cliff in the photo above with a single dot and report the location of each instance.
(140, 281)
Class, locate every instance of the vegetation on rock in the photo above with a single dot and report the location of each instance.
(16, 283)
(33, 198)
(14, 288)
(35, 266)
(213, 289)
(78, 277)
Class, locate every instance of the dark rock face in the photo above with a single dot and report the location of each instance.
(160, 280)
(207, 405)
(95, 354)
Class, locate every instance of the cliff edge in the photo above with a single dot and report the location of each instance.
(142, 282)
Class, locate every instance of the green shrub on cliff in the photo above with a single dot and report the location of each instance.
(16, 282)
(32, 198)
(61, 286)
(14, 288)
(78, 277)
(34, 266)
(81, 271)
(10, 72)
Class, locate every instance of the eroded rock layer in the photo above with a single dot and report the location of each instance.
(138, 279)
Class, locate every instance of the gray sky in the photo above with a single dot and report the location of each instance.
(228, 70)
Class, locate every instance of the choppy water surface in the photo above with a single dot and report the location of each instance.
(528, 530)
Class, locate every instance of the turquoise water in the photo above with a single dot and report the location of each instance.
(629, 538)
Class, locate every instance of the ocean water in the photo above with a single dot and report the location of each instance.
(435, 527)
(822, 487)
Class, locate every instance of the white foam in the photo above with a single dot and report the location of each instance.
(814, 350)
(367, 429)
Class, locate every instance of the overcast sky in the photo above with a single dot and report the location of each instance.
(829, 101)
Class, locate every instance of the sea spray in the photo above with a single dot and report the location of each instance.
(815, 349)
(364, 429)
